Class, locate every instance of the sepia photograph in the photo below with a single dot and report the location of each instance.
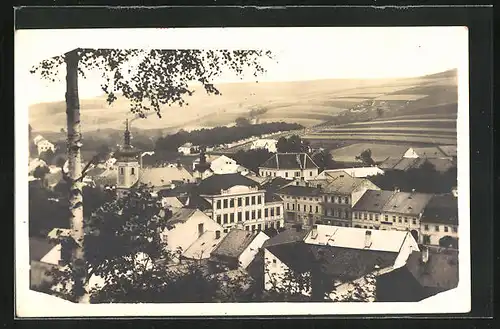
(255, 171)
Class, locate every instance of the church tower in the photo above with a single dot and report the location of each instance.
(128, 165)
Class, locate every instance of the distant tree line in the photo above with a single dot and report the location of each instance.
(425, 179)
(220, 135)
(292, 144)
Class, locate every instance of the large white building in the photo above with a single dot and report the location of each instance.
(43, 145)
(235, 201)
(289, 166)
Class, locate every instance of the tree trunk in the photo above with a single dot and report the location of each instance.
(74, 172)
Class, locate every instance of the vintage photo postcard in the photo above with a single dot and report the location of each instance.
(255, 171)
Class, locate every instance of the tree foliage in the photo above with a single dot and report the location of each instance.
(252, 159)
(366, 158)
(40, 172)
(220, 135)
(292, 144)
(149, 79)
(324, 160)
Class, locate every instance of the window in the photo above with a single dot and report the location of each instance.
(253, 200)
(406, 219)
(414, 221)
(231, 203)
(226, 230)
(386, 218)
(455, 230)
(346, 200)
(231, 218)
(293, 206)
(297, 174)
(218, 204)
(286, 174)
(122, 171)
(278, 211)
(400, 219)
(253, 228)
(371, 216)
(259, 199)
(224, 203)
(200, 229)
(394, 219)
(247, 215)
(272, 212)
(240, 216)
(278, 225)
(253, 214)
(426, 227)
(132, 171)
(446, 228)
(287, 206)
(219, 219)
(310, 208)
(310, 173)
(239, 202)
(317, 209)
(266, 212)
(365, 216)
(247, 228)
(376, 217)
(259, 214)
(247, 201)
(259, 227)
(436, 228)
(225, 218)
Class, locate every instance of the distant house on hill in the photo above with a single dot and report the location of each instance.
(289, 166)
(267, 144)
(43, 145)
(185, 149)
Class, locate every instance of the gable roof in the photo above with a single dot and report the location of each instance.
(344, 184)
(287, 236)
(234, 243)
(181, 215)
(449, 150)
(441, 209)
(296, 255)
(39, 247)
(163, 176)
(389, 163)
(354, 238)
(373, 200)
(407, 163)
(271, 197)
(214, 184)
(299, 191)
(440, 271)
(428, 152)
(203, 246)
(275, 183)
(290, 161)
(408, 203)
(173, 201)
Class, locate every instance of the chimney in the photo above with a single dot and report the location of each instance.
(217, 234)
(179, 166)
(314, 231)
(425, 255)
(368, 239)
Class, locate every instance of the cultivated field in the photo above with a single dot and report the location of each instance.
(380, 152)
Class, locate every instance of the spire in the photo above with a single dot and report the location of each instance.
(127, 135)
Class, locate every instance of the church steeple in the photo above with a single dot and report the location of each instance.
(126, 135)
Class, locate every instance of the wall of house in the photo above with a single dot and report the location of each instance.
(128, 173)
(410, 153)
(436, 231)
(44, 146)
(184, 234)
(275, 275)
(306, 174)
(358, 192)
(248, 255)
(409, 246)
(303, 208)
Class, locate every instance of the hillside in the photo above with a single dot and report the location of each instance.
(309, 103)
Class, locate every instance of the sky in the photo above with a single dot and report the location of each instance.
(301, 53)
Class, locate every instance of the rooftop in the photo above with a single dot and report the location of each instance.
(441, 209)
(429, 152)
(214, 184)
(406, 163)
(299, 191)
(275, 183)
(449, 150)
(408, 203)
(39, 247)
(373, 200)
(344, 184)
(287, 236)
(290, 161)
(158, 177)
(389, 163)
(354, 238)
(234, 243)
(440, 271)
(203, 246)
(181, 215)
